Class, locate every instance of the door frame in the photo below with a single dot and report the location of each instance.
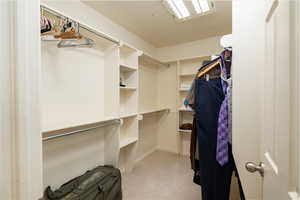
(21, 140)
(295, 195)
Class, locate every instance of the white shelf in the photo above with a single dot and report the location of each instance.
(127, 48)
(128, 115)
(154, 110)
(128, 88)
(127, 68)
(127, 141)
(79, 124)
(188, 74)
(144, 58)
(184, 89)
(184, 131)
(185, 110)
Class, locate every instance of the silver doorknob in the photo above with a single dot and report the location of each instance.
(251, 167)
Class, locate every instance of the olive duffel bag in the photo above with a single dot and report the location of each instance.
(101, 183)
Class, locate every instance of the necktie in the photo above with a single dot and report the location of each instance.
(223, 131)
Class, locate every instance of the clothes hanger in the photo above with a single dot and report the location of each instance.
(69, 31)
(83, 43)
(209, 67)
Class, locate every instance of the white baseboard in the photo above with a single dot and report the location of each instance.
(174, 152)
(145, 155)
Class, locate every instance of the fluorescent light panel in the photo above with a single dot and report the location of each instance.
(173, 7)
(197, 7)
(179, 8)
(201, 6)
(204, 5)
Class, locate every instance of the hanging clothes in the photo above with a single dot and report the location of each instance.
(211, 155)
(45, 24)
(222, 154)
(215, 179)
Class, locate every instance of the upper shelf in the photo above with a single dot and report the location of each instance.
(126, 48)
(147, 59)
(73, 127)
(154, 110)
(187, 74)
(127, 68)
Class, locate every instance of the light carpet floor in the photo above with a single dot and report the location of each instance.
(162, 176)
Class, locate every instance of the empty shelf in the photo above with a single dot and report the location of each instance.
(128, 88)
(127, 68)
(154, 110)
(185, 110)
(78, 124)
(188, 74)
(127, 141)
(184, 89)
(128, 115)
(184, 131)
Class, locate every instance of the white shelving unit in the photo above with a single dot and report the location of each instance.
(129, 131)
(80, 90)
(186, 71)
(128, 71)
(128, 77)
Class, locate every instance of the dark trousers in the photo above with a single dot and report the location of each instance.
(215, 179)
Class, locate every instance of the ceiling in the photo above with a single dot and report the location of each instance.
(151, 21)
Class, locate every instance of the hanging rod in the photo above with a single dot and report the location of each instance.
(57, 14)
(118, 121)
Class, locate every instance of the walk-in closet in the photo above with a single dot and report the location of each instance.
(149, 100)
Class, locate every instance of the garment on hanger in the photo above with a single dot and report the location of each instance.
(46, 24)
(190, 98)
(194, 154)
(229, 92)
(212, 119)
(215, 179)
(222, 154)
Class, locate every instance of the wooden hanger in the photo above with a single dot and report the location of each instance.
(72, 34)
(209, 67)
(70, 31)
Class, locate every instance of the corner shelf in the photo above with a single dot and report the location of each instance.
(150, 61)
(154, 111)
(187, 74)
(184, 89)
(128, 88)
(126, 68)
(185, 110)
(184, 131)
(127, 115)
(127, 141)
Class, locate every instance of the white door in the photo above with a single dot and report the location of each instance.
(276, 93)
(261, 75)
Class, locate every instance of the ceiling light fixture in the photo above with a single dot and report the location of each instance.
(204, 5)
(187, 9)
(197, 7)
(174, 9)
(179, 8)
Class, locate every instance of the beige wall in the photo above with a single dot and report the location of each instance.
(206, 47)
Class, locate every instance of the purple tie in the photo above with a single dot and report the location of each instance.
(223, 136)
